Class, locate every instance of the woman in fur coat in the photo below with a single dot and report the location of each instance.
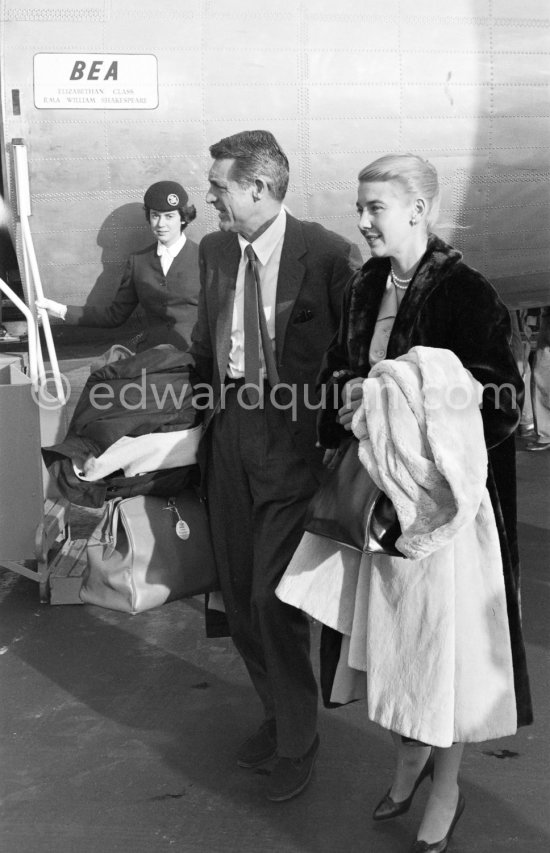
(416, 291)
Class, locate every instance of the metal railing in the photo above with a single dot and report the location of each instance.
(34, 317)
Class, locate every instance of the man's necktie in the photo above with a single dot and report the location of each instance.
(255, 329)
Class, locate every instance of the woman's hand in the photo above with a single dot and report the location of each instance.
(352, 394)
(54, 309)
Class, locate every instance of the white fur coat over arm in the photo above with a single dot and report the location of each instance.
(428, 636)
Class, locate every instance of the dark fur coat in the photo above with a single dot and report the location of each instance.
(448, 305)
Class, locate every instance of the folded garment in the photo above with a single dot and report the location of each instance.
(127, 397)
(144, 393)
(151, 452)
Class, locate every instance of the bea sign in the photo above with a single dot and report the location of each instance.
(95, 70)
(69, 81)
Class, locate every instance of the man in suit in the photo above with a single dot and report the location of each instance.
(261, 465)
(540, 384)
(162, 279)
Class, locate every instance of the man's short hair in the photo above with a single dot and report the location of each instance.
(256, 153)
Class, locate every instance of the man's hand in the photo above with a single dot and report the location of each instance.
(352, 394)
(54, 309)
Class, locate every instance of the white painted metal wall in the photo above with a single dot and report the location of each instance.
(339, 83)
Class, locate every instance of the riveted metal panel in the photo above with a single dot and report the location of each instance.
(465, 85)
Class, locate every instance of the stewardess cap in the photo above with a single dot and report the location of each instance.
(164, 196)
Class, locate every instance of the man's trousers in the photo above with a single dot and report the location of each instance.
(258, 488)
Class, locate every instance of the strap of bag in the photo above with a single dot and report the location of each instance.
(106, 531)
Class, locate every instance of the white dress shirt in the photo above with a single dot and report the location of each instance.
(268, 247)
(168, 253)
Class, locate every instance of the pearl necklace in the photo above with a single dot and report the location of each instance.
(400, 283)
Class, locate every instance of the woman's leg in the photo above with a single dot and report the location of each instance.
(443, 799)
(409, 763)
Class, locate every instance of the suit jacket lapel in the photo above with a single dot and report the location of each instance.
(291, 275)
(227, 281)
(152, 258)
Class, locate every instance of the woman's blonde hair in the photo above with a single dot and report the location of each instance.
(417, 177)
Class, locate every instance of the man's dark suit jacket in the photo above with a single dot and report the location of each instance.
(314, 269)
(169, 303)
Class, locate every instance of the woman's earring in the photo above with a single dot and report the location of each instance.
(413, 220)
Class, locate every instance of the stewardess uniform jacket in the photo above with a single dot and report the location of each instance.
(169, 302)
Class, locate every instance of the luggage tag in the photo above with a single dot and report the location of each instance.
(182, 528)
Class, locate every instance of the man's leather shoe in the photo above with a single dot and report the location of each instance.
(291, 775)
(260, 747)
(538, 445)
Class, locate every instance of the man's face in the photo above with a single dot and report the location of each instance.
(234, 203)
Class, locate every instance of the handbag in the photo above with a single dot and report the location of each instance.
(147, 550)
(351, 509)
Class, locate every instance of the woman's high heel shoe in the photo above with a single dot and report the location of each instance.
(388, 808)
(441, 846)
